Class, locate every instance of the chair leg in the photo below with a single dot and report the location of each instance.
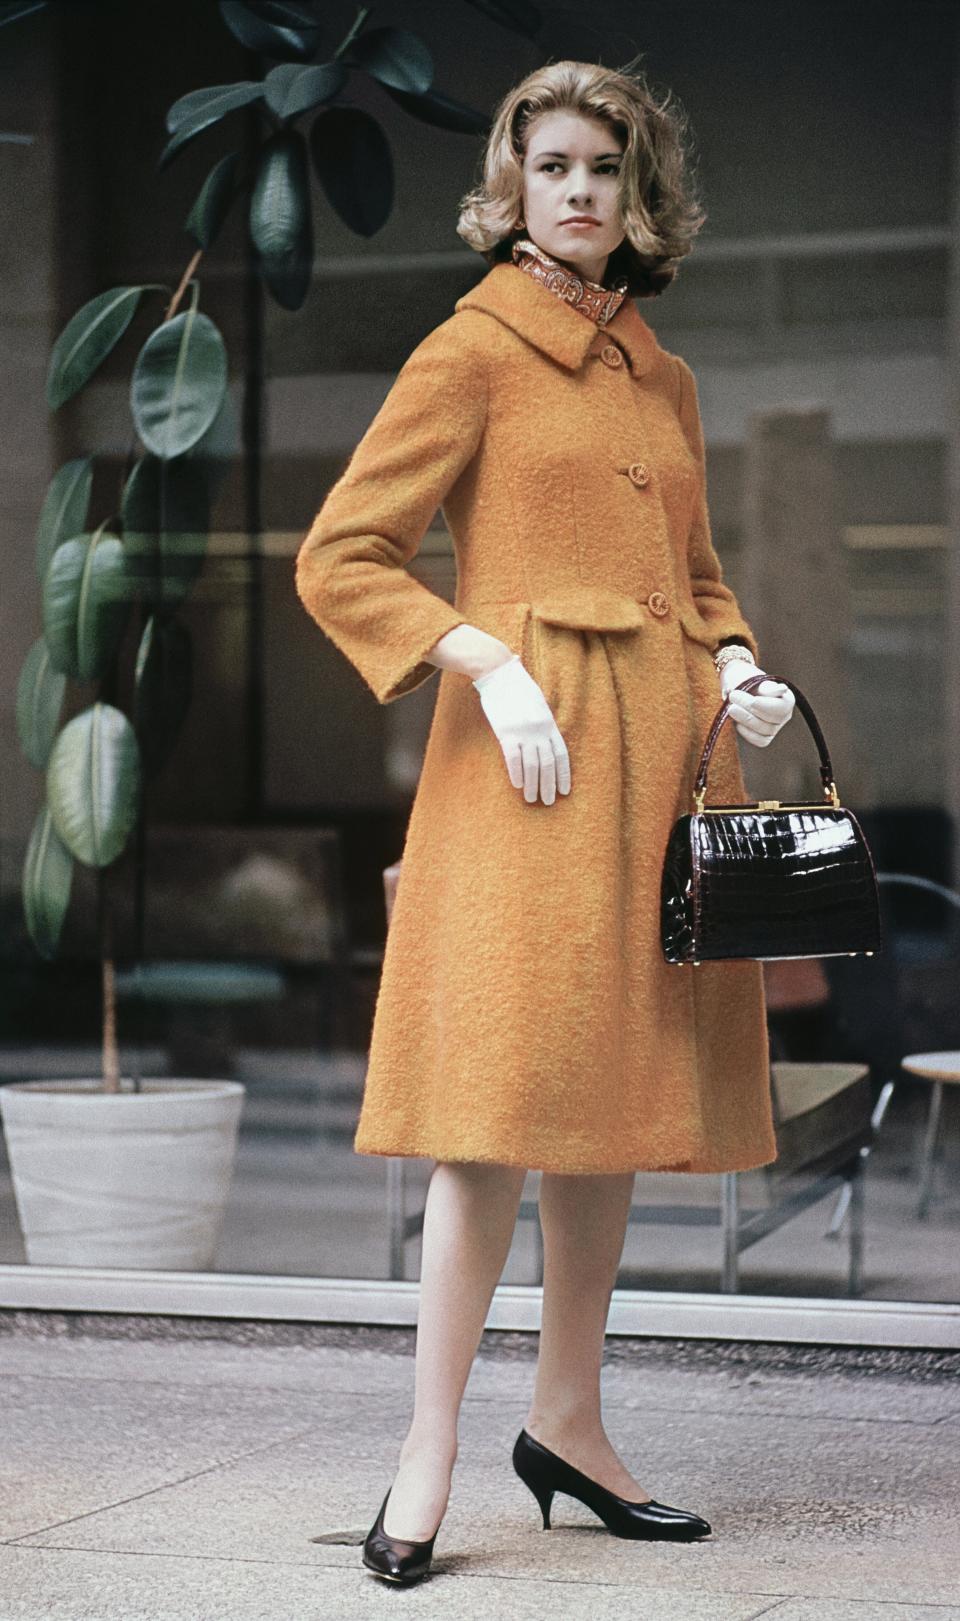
(731, 1225)
(844, 1196)
(397, 1216)
(839, 1212)
(930, 1149)
(538, 1246)
(855, 1184)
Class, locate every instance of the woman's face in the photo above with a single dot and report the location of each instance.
(572, 166)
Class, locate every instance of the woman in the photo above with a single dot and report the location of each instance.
(526, 1017)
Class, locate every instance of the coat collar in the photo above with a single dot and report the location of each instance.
(543, 319)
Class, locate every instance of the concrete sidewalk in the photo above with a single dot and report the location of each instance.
(183, 1470)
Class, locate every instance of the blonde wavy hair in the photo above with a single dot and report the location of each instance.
(660, 213)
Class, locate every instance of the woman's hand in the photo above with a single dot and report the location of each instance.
(758, 716)
(522, 720)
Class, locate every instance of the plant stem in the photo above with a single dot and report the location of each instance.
(111, 1057)
(361, 18)
(171, 309)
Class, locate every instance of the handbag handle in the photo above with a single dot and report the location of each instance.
(806, 710)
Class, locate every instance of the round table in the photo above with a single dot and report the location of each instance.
(940, 1069)
(182, 987)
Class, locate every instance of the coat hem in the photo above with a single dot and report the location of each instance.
(705, 1165)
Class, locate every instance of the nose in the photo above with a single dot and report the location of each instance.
(579, 194)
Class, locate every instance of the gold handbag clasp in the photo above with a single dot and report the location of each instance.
(830, 793)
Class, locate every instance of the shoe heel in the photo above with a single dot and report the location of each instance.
(544, 1496)
(541, 1490)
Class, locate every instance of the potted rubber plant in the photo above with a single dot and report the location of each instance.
(106, 1170)
(111, 1170)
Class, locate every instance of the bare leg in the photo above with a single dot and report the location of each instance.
(584, 1220)
(468, 1223)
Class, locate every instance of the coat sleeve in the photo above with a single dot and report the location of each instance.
(715, 602)
(350, 568)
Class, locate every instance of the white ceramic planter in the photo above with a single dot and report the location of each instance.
(127, 1179)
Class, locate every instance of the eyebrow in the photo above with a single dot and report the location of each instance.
(599, 155)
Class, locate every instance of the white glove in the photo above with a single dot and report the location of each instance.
(758, 716)
(536, 755)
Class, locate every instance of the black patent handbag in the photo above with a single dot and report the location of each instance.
(767, 880)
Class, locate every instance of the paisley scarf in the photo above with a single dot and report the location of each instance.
(591, 298)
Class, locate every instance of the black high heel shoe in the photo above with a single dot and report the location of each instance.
(394, 1557)
(545, 1472)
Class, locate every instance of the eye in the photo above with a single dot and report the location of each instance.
(554, 163)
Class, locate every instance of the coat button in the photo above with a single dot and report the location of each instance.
(658, 604)
(611, 355)
(639, 473)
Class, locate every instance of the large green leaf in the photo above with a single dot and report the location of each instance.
(183, 137)
(291, 89)
(211, 103)
(178, 383)
(87, 339)
(162, 688)
(40, 690)
(47, 877)
(394, 56)
(281, 221)
(441, 111)
(65, 508)
(272, 27)
(165, 515)
(86, 598)
(353, 162)
(12, 12)
(213, 203)
(197, 110)
(93, 784)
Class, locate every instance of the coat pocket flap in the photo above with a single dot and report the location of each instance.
(694, 626)
(590, 607)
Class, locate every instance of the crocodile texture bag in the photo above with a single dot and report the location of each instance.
(767, 880)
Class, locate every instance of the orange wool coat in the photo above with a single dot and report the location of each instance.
(525, 1012)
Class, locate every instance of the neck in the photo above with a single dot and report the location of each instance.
(592, 273)
(590, 298)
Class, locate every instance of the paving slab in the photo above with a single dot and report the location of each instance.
(165, 1471)
(84, 1586)
(850, 1610)
(72, 1446)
